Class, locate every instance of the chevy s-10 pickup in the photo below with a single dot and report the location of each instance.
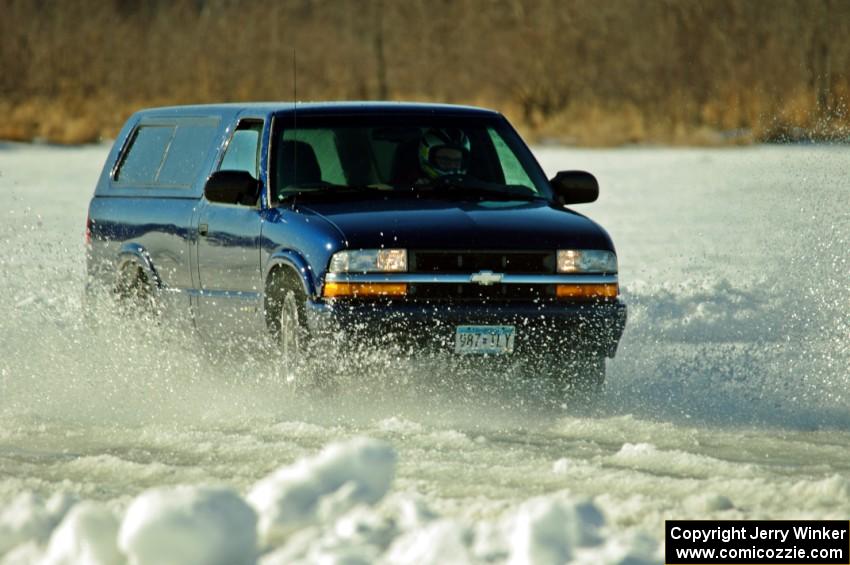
(365, 221)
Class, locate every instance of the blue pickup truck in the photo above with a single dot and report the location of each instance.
(362, 221)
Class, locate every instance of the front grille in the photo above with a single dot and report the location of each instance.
(473, 261)
(437, 292)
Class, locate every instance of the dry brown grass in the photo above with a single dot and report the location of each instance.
(588, 72)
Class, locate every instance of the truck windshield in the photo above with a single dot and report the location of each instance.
(425, 156)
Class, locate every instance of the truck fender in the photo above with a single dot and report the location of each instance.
(292, 260)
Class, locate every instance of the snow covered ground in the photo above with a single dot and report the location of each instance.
(728, 398)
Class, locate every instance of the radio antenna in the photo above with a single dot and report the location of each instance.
(295, 123)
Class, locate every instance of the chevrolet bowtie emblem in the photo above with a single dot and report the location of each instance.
(486, 278)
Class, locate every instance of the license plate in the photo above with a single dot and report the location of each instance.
(484, 340)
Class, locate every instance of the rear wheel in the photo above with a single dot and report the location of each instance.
(135, 293)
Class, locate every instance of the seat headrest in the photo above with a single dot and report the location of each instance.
(297, 164)
(405, 167)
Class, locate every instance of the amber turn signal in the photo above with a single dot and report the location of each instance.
(587, 290)
(363, 290)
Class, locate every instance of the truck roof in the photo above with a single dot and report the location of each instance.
(338, 108)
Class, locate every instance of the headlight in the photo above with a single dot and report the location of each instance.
(586, 261)
(369, 261)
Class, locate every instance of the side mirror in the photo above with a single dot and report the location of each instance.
(575, 187)
(232, 187)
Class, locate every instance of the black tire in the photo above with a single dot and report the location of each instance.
(135, 293)
(292, 337)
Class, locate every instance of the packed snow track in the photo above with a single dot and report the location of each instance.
(728, 397)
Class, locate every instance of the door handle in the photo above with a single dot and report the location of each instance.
(203, 229)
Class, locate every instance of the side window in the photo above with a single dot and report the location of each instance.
(143, 156)
(186, 154)
(169, 155)
(242, 152)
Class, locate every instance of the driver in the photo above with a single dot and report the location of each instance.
(443, 153)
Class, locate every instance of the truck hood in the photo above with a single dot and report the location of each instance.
(439, 224)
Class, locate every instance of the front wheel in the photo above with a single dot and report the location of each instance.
(291, 338)
(291, 331)
(298, 367)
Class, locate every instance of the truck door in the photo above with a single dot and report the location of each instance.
(230, 301)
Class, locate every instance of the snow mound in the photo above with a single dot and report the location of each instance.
(87, 536)
(343, 475)
(29, 518)
(189, 525)
(25, 554)
(646, 456)
(548, 531)
(827, 490)
(443, 541)
(400, 426)
(322, 509)
(412, 513)
(553, 530)
(634, 549)
(637, 450)
(561, 466)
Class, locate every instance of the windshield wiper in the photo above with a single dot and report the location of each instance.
(453, 188)
(329, 190)
(465, 188)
